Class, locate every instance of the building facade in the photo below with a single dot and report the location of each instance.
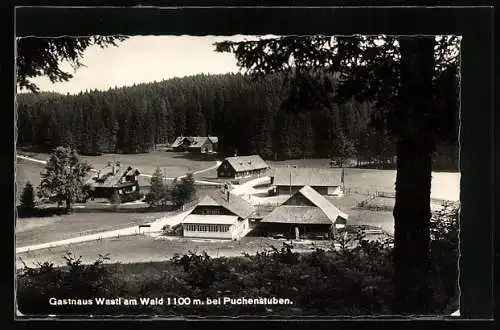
(196, 144)
(306, 214)
(113, 179)
(242, 167)
(219, 215)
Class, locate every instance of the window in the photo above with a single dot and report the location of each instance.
(211, 211)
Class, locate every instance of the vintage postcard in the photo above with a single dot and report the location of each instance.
(237, 175)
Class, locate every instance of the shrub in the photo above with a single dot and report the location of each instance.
(115, 198)
(37, 285)
(444, 257)
(135, 196)
(28, 197)
(183, 191)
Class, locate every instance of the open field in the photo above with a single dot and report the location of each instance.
(445, 185)
(27, 171)
(143, 248)
(173, 164)
(381, 219)
(30, 231)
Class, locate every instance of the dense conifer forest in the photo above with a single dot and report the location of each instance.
(246, 114)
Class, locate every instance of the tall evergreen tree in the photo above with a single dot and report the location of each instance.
(64, 177)
(158, 192)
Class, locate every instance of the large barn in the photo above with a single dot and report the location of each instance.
(220, 214)
(289, 180)
(113, 178)
(242, 166)
(306, 213)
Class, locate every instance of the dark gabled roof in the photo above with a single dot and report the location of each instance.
(323, 211)
(194, 141)
(178, 142)
(236, 204)
(305, 176)
(247, 163)
(297, 214)
(331, 211)
(197, 141)
(110, 180)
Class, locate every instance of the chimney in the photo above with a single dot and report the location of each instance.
(116, 168)
(98, 174)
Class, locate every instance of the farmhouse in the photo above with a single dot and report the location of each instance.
(242, 166)
(111, 179)
(289, 180)
(199, 144)
(203, 144)
(306, 213)
(220, 214)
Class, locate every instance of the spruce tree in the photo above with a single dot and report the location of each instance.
(28, 197)
(158, 192)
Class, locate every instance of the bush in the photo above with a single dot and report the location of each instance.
(444, 257)
(76, 280)
(183, 191)
(40, 212)
(115, 198)
(28, 197)
(135, 196)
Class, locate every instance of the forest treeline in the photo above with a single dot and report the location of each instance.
(246, 114)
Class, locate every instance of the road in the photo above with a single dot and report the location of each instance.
(154, 226)
(217, 163)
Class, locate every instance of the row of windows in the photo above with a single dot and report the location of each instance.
(207, 228)
(245, 173)
(211, 211)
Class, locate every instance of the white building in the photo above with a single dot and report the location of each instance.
(219, 215)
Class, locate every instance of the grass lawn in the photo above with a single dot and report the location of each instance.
(143, 248)
(30, 231)
(316, 162)
(173, 164)
(381, 219)
(445, 185)
(209, 175)
(27, 171)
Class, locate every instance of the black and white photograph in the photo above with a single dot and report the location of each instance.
(237, 175)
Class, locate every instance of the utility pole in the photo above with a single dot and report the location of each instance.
(290, 169)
